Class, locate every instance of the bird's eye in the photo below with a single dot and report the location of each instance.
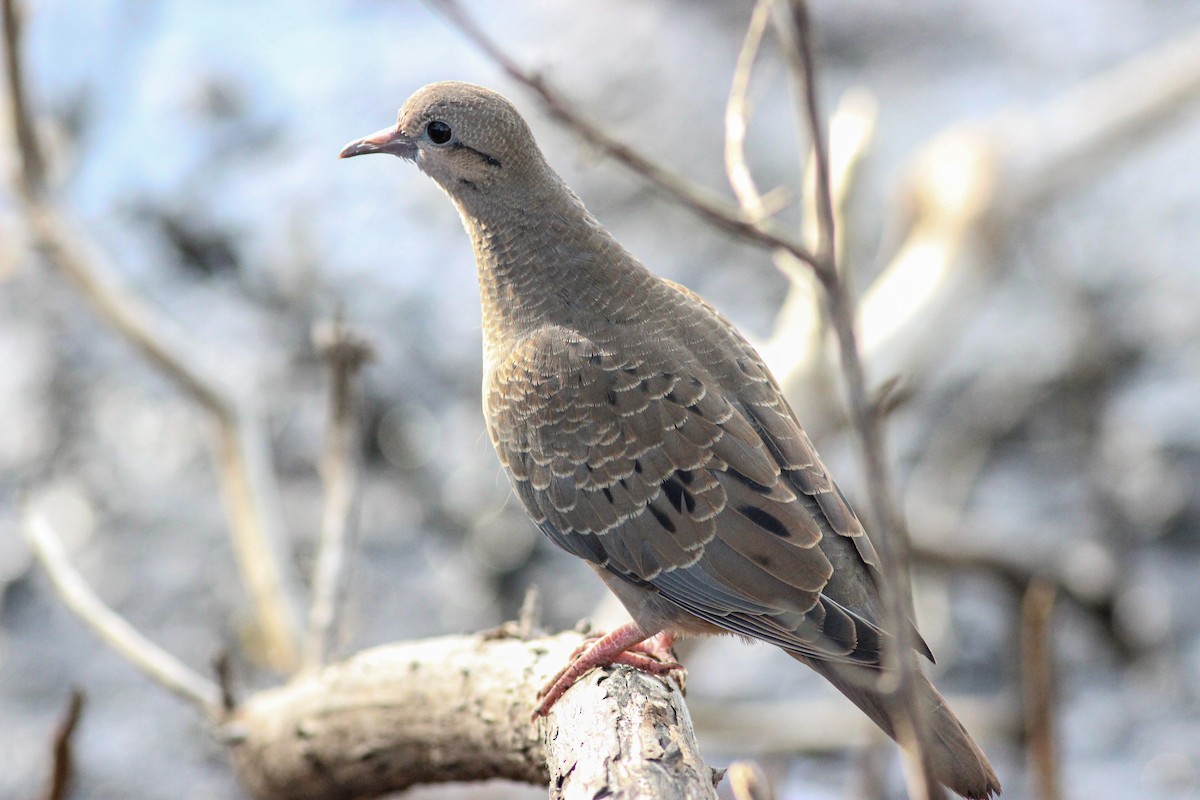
(438, 132)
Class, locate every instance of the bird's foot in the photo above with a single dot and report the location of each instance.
(628, 645)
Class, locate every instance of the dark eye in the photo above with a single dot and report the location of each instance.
(438, 132)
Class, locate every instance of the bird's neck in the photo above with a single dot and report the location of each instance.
(548, 262)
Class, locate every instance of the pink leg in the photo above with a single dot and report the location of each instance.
(651, 653)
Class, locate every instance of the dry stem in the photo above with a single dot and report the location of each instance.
(243, 462)
(345, 354)
(1037, 680)
(162, 667)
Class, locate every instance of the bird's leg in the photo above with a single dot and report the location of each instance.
(628, 645)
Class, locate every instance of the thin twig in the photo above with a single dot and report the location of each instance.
(1037, 680)
(891, 538)
(529, 618)
(736, 114)
(62, 772)
(695, 198)
(746, 779)
(345, 353)
(243, 463)
(795, 344)
(798, 37)
(151, 659)
(32, 172)
(223, 668)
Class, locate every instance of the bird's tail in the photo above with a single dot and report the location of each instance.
(957, 761)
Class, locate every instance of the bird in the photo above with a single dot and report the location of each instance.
(643, 433)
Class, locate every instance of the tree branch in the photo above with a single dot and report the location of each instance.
(242, 452)
(162, 667)
(457, 709)
(695, 198)
(345, 353)
(62, 772)
(1037, 681)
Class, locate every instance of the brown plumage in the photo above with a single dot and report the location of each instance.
(645, 435)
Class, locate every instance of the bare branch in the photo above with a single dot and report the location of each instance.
(457, 709)
(345, 353)
(797, 38)
(740, 178)
(529, 618)
(243, 463)
(695, 198)
(748, 781)
(162, 667)
(32, 175)
(62, 773)
(1063, 140)
(795, 346)
(890, 536)
(1037, 680)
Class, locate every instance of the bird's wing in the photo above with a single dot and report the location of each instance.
(715, 499)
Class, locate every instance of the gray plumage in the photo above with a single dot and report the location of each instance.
(644, 434)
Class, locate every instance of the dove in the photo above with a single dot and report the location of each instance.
(643, 433)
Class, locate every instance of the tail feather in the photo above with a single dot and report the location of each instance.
(957, 761)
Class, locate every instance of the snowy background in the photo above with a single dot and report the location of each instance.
(197, 142)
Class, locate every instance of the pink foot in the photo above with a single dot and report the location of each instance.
(628, 645)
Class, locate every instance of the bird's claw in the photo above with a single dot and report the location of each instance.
(652, 655)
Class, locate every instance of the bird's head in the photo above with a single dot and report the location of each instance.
(469, 139)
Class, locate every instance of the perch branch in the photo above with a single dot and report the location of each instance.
(345, 353)
(457, 709)
(162, 667)
(243, 463)
(433, 711)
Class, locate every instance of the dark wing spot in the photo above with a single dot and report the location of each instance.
(637, 466)
(765, 520)
(674, 493)
(607, 494)
(748, 482)
(662, 518)
(594, 359)
(840, 628)
(611, 397)
(686, 476)
(689, 501)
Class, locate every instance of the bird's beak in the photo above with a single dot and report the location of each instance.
(388, 140)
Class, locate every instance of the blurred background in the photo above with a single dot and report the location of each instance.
(1047, 420)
